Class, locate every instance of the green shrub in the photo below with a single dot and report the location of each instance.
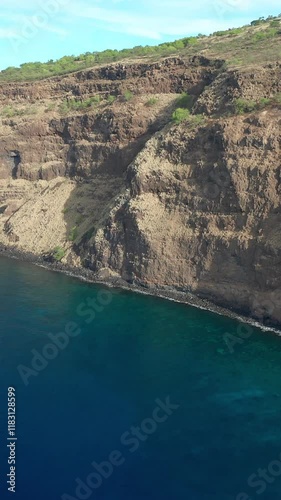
(73, 234)
(190, 40)
(96, 99)
(10, 112)
(219, 33)
(58, 253)
(111, 99)
(257, 22)
(244, 106)
(128, 95)
(151, 102)
(180, 115)
(195, 120)
(264, 101)
(75, 105)
(275, 24)
(183, 115)
(235, 31)
(235, 61)
(265, 35)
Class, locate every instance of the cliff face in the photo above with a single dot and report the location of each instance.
(125, 192)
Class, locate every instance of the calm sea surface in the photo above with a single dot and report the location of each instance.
(139, 398)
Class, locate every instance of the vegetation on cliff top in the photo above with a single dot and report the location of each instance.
(58, 254)
(260, 37)
(242, 106)
(183, 112)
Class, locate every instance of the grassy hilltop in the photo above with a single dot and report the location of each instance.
(256, 42)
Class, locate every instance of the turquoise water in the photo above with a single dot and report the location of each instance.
(81, 405)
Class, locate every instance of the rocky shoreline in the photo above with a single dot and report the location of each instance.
(178, 210)
(167, 293)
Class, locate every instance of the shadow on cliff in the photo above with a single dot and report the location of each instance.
(87, 209)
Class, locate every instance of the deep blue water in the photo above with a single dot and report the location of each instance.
(136, 351)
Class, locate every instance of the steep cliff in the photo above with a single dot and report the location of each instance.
(123, 191)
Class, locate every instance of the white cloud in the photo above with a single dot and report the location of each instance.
(204, 5)
(155, 23)
(59, 31)
(147, 18)
(155, 18)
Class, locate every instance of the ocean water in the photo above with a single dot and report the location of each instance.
(141, 399)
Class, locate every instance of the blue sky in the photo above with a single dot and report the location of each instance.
(39, 30)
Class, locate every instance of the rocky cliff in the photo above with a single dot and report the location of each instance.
(121, 190)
